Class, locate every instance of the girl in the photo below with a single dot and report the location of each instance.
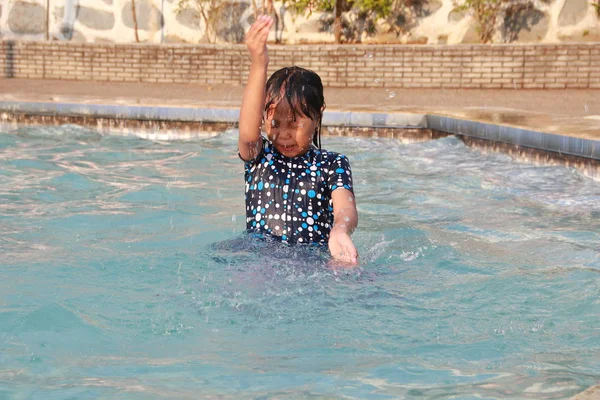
(295, 191)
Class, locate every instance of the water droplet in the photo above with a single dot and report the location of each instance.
(391, 95)
(233, 218)
(377, 80)
(585, 107)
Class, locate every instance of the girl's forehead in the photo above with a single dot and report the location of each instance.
(283, 110)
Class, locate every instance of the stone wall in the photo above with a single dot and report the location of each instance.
(385, 66)
(432, 22)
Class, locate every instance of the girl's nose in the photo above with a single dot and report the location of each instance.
(284, 133)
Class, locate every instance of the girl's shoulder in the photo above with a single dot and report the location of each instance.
(330, 156)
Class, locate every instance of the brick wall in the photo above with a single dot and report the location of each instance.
(395, 66)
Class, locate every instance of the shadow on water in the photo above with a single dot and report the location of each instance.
(250, 251)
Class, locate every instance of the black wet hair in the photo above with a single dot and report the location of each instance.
(302, 90)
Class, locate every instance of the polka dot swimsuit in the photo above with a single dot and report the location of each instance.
(290, 198)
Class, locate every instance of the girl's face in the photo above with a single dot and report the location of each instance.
(291, 137)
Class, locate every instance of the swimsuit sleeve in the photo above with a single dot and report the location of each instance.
(340, 174)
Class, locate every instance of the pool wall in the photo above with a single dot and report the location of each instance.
(498, 66)
(184, 123)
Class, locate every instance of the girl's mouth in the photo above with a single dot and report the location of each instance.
(288, 147)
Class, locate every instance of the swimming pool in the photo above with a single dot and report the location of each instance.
(125, 274)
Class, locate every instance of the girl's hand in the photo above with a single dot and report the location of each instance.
(256, 40)
(341, 247)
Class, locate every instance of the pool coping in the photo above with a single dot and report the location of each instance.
(503, 133)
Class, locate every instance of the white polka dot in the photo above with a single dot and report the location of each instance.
(310, 221)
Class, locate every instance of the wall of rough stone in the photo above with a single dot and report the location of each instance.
(102, 21)
(386, 66)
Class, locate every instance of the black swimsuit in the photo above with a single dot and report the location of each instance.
(290, 198)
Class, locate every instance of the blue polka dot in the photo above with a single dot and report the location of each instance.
(304, 225)
(272, 185)
(304, 214)
(311, 193)
(254, 212)
(260, 186)
(340, 170)
(262, 223)
(285, 196)
(262, 210)
(287, 181)
(297, 191)
(284, 237)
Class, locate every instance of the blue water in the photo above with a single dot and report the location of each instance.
(124, 274)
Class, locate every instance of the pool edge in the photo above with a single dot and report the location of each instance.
(509, 134)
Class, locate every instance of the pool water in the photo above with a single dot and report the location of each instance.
(124, 273)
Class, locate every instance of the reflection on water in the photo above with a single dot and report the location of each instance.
(125, 271)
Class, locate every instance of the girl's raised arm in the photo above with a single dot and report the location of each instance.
(253, 102)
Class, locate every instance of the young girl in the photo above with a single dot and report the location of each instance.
(295, 191)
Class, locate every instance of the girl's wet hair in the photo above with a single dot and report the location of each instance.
(302, 90)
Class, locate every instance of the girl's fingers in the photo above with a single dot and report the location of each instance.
(265, 27)
(260, 28)
(261, 22)
(350, 254)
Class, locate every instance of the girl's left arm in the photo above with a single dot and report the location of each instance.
(345, 220)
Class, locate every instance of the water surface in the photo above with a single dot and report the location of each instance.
(124, 273)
